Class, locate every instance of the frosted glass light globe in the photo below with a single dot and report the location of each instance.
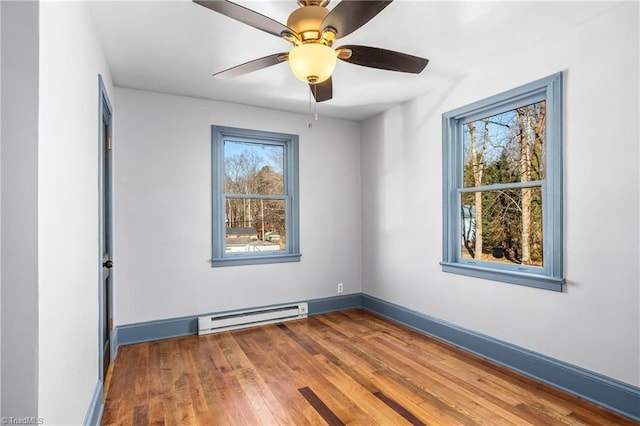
(312, 63)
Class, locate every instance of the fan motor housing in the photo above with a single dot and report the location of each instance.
(306, 22)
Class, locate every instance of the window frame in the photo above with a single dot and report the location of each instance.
(219, 134)
(550, 275)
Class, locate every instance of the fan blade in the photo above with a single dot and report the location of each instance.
(349, 15)
(255, 65)
(322, 91)
(247, 16)
(375, 57)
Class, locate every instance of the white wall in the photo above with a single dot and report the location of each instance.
(19, 178)
(70, 61)
(0, 208)
(162, 168)
(595, 323)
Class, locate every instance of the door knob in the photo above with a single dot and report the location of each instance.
(108, 264)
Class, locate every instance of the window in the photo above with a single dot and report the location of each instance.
(255, 197)
(502, 187)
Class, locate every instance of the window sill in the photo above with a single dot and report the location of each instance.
(255, 260)
(513, 277)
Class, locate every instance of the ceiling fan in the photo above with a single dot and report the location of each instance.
(312, 29)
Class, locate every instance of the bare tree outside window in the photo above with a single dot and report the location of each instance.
(503, 175)
(255, 202)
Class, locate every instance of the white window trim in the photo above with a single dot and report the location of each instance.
(290, 142)
(550, 276)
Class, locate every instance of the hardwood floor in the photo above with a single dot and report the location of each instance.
(349, 367)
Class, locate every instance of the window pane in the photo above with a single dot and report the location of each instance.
(254, 225)
(253, 168)
(504, 148)
(507, 224)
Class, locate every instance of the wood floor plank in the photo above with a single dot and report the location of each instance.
(319, 405)
(156, 411)
(363, 398)
(337, 350)
(417, 405)
(141, 415)
(409, 379)
(468, 388)
(276, 376)
(400, 409)
(313, 371)
(349, 367)
(344, 405)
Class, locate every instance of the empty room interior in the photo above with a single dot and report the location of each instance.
(313, 212)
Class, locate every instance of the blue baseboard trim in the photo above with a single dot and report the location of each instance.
(94, 413)
(184, 326)
(332, 304)
(156, 330)
(601, 390)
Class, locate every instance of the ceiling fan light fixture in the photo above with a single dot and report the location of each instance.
(312, 63)
(312, 29)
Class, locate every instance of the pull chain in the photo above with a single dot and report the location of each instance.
(310, 95)
(313, 110)
(315, 113)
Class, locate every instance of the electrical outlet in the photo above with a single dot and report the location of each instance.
(340, 287)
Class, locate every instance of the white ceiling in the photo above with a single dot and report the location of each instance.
(175, 46)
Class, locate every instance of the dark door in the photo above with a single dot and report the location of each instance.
(107, 263)
(106, 231)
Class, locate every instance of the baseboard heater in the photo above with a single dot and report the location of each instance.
(242, 319)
